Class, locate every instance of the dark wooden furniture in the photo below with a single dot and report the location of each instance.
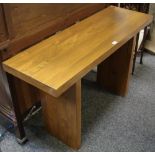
(23, 25)
(56, 65)
(141, 7)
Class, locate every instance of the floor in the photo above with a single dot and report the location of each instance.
(109, 122)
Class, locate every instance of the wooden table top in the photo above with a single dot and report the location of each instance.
(56, 63)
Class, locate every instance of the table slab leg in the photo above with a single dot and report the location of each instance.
(114, 72)
(62, 115)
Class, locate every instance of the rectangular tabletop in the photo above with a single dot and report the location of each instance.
(56, 63)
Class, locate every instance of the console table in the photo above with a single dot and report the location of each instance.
(56, 65)
(18, 33)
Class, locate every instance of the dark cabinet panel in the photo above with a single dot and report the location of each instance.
(34, 22)
(5, 97)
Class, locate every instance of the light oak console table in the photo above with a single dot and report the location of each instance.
(56, 65)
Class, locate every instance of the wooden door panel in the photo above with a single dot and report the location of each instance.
(3, 33)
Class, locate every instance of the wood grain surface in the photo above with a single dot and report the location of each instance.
(58, 62)
(113, 74)
(62, 116)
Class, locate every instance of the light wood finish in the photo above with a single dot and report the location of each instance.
(58, 62)
(114, 72)
(62, 116)
(21, 26)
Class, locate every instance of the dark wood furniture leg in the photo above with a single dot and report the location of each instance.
(114, 72)
(142, 45)
(19, 128)
(62, 115)
(8, 108)
(135, 53)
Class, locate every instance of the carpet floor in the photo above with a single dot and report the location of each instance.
(109, 122)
